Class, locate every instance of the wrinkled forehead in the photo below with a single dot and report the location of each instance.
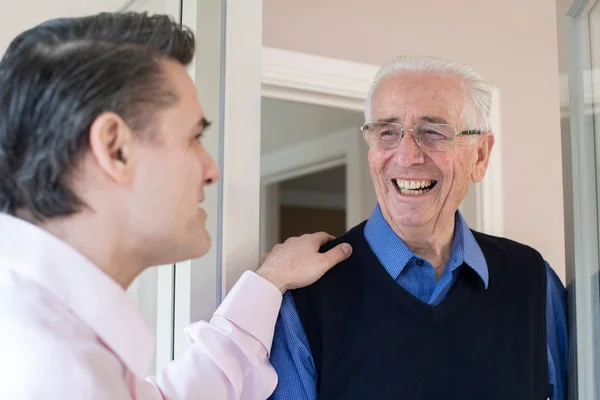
(409, 96)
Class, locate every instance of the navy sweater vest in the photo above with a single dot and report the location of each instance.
(371, 339)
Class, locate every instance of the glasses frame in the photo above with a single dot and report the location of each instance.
(403, 130)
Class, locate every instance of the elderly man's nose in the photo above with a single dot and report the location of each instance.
(408, 151)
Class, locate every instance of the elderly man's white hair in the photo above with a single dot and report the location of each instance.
(476, 113)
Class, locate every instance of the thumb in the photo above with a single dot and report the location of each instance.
(336, 255)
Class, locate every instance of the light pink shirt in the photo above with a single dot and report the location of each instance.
(68, 331)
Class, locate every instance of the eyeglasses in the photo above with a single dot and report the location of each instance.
(430, 137)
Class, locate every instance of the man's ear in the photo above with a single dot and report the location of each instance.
(112, 144)
(484, 149)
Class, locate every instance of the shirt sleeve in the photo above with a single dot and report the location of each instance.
(228, 358)
(557, 335)
(291, 356)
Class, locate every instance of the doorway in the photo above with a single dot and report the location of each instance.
(312, 158)
(312, 203)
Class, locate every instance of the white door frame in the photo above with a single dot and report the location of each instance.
(307, 78)
(582, 265)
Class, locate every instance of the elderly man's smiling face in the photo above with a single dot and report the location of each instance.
(440, 179)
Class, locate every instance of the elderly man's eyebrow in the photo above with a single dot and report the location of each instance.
(434, 119)
(394, 120)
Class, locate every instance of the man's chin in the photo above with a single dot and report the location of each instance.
(195, 248)
(201, 246)
(202, 252)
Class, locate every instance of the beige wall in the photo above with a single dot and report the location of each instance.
(511, 42)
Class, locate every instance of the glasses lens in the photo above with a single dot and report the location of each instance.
(382, 134)
(435, 137)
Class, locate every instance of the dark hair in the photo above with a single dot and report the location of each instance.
(56, 78)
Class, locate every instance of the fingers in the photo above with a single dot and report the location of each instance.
(322, 238)
(336, 255)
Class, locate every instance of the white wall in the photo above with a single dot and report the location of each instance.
(511, 42)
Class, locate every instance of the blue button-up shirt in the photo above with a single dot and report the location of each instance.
(291, 354)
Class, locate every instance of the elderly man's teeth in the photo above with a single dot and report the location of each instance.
(403, 184)
(414, 187)
(413, 192)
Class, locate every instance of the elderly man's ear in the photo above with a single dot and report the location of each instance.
(484, 149)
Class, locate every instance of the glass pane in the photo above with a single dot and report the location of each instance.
(171, 298)
(153, 291)
(207, 76)
(592, 91)
(149, 6)
(197, 282)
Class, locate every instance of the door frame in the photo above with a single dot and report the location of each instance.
(581, 202)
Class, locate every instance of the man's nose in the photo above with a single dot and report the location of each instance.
(211, 171)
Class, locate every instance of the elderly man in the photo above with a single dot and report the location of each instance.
(425, 308)
(102, 175)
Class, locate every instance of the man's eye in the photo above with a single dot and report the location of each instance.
(388, 133)
(199, 136)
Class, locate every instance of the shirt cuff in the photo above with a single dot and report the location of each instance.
(253, 305)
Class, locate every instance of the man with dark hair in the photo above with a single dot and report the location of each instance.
(102, 174)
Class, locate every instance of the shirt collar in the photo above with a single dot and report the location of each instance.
(394, 254)
(87, 291)
(472, 254)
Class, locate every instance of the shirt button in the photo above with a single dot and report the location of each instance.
(419, 262)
